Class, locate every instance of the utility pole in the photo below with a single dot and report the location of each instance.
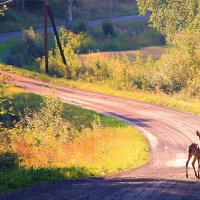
(56, 34)
(47, 13)
(46, 36)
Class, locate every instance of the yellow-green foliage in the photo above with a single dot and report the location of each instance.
(104, 150)
(71, 43)
(179, 69)
(176, 71)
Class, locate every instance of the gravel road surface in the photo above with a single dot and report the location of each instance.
(169, 133)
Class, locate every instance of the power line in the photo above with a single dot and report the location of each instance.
(8, 1)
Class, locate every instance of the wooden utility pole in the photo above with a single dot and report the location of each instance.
(47, 13)
(56, 34)
(46, 36)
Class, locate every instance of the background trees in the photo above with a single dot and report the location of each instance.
(169, 16)
(68, 21)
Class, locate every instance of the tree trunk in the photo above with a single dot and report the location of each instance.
(87, 17)
(22, 4)
(68, 22)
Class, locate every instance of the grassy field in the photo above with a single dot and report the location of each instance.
(100, 145)
(154, 51)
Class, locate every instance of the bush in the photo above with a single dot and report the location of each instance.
(71, 44)
(45, 128)
(79, 27)
(108, 28)
(25, 51)
(9, 161)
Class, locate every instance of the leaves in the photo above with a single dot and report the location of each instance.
(168, 16)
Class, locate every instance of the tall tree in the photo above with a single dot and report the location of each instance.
(87, 8)
(168, 16)
(68, 21)
(22, 4)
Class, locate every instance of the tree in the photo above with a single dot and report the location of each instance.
(22, 4)
(68, 21)
(169, 16)
(3, 9)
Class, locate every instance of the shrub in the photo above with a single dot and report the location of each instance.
(71, 44)
(44, 128)
(79, 27)
(25, 51)
(178, 68)
(108, 28)
(9, 161)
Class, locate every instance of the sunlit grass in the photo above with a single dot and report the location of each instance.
(107, 150)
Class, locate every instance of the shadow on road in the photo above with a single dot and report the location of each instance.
(138, 121)
(119, 188)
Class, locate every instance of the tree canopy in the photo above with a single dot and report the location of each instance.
(3, 9)
(169, 16)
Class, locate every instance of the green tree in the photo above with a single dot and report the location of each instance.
(169, 16)
(3, 9)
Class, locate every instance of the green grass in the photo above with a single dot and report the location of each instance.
(119, 9)
(22, 177)
(16, 20)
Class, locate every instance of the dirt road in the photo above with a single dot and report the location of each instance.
(168, 131)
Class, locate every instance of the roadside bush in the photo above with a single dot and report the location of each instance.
(45, 128)
(25, 51)
(71, 44)
(79, 26)
(9, 160)
(13, 103)
(108, 28)
(95, 70)
(179, 67)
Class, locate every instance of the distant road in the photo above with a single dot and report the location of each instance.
(18, 34)
(121, 19)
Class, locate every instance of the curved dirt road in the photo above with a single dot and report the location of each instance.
(169, 133)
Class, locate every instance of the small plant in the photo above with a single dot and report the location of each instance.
(9, 161)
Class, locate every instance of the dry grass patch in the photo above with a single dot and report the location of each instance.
(154, 51)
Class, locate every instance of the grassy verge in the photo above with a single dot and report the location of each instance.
(17, 20)
(175, 102)
(113, 147)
